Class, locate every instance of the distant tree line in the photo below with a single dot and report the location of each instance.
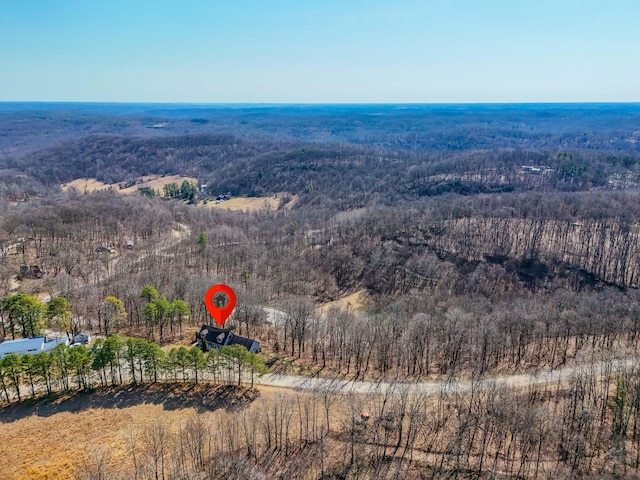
(342, 175)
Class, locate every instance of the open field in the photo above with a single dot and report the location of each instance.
(61, 439)
(86, 185)
(254, 204)
(352, 302)
(157, 182)
(89, 185)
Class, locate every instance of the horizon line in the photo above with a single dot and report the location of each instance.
(195, 103)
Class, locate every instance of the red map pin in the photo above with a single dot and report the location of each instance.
(220, 314)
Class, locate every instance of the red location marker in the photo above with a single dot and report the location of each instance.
(220, 314)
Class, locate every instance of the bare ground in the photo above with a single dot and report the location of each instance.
(352, 302)
(48, 438)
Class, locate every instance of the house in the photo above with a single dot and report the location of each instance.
(215, 337)
(30, 346)
(537, 169)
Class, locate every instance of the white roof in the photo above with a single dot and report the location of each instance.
(30, 345)
(54, 342)
(24, 344)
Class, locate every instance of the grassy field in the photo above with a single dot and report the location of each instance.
(62, 438)
(243, 204)
(157, 182)
(254, 204)
(352, 302)
(86, 185)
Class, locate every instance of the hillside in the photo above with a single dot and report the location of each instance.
(391, 243)
(362, 155)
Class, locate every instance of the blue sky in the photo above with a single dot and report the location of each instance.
(336, 51)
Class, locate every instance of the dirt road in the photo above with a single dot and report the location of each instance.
(452, 386)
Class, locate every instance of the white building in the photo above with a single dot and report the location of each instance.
(30, 346)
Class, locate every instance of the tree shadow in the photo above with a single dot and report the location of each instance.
(172, 396)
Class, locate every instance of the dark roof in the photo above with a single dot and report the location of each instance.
(214, 335)
(219, 337)
(245, 342)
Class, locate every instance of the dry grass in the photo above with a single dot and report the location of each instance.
(53, 447)
(352, 302)
(157, 182)
(243, 204)
(87, 185)
(54, 440)
(185, 341)
(78, 434)
(254, 204)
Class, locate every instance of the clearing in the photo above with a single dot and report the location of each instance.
(352, 303)
(157, 182)
(73, 432)
(255, 204)
(86, 185)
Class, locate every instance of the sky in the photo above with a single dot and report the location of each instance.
(320, 51)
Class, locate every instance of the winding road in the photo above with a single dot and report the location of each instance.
(447, 386)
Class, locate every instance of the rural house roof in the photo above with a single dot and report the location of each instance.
(220, 337)
(30, 346)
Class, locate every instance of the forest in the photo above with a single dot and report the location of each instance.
(483, 241)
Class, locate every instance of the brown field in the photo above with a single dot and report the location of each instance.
(87, 185)
(55, 440)
(352, 302)
(254, 204)
(157, 182)
(154, 181)
(244, 204)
